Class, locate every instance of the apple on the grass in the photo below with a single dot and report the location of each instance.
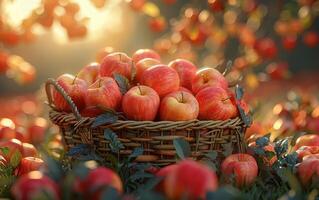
(186, 71)
(162, 79)
(189, 180)
(104, 92)
(74, 87)
(208, 77)
(13, 146)
(215, 104)
(28, 150)
(29, 164)
(143, 65)
(141, 103)
(179, 106)
(145, 53)
(116, 63)
(97, 179)
(90, 73)
(34, 185)
(243, 166)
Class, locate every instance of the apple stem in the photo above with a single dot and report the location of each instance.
(100, 82)
(182, 96)
(225, 99)
(139, 88)
(74, 79)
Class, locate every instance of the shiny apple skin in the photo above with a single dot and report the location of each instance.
(116, 63)
(186, 71)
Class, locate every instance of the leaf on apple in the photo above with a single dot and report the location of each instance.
(122, 82)
(15, 159)
(182, 148)
(4, 150)
(115, 144)
(106, 118)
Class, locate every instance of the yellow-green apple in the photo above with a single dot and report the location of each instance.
(97, 178)
(90, 73)
(143, 65)
(243, 166)
(34, 185)
(116, 63)
(308, 171)
(74, 87)
(186, 71)
(145, 53)
(104, 92)
(208, 77)
(189, 180)
(140, 103)
(161, 78)
(29, 164)
(29, 150)
(215, 104)
(179, 106)
(304, 151)
(14, 146)
(307, 140)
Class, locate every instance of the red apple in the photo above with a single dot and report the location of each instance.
(143, 65)
(162, 79)
(182, 89)
(307, 140)
(28, 150)
(304, 151)
(164, 172)
(208, 77)
(7, 133)
(289, 42)
(243, 166)
(116, 63)
(308, 171)
(255, 128)
(179, 106)
(37, 130)
(266, 48)
(311, 39)
(3, 62)
(74, 87)
(215, 104)
(96, 179)
(29, 164)
(216, 5)
(157, 24)
(104, 92)
(33, 185)
(137, 5)
(189, 180)
(145, 53)
(91, 111)
(13, 145)
(90, 73)
(186, 71)
(141, 103)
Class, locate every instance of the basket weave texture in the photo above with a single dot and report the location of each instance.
(155, 137)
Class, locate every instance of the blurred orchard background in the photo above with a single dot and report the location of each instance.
(273, 45)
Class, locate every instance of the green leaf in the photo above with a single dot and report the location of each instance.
(262, 141)
(228, 193)
(136, 152)
(4, 150)
(122, 82)
(15, 159)
(106, 118)
(55, 170)
(151, 195)
(115, 144)
(227, 149)
(211, 155)
(140, 175)
(182, 147)
(110, 193)
(79, 149)
(239, 92)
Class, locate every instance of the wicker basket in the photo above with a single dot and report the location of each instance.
(156, 138)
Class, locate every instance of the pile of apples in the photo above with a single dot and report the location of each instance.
(145, 89)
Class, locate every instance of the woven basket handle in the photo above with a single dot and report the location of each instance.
(48, 85)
